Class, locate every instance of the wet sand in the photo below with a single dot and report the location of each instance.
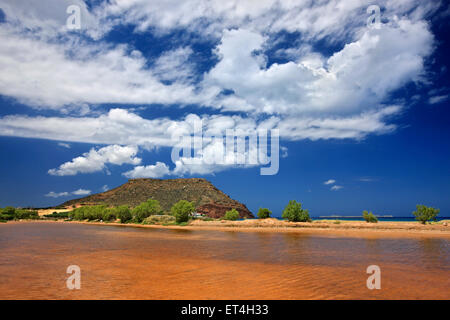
(324, 227)
(158, 263)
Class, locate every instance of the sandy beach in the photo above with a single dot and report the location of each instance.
(381, 229)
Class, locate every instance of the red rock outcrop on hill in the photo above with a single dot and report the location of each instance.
(214, 210)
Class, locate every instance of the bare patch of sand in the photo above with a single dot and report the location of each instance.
(43, 212)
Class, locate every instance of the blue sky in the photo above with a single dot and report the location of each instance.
(362, 108)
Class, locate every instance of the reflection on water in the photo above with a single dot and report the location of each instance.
(134, 263)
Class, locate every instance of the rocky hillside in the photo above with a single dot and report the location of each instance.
(206, 197)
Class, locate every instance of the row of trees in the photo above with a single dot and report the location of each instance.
(292, 212)
(11, 213)
(423, 214)
(181, 210)
(295, 213)
(123, 213)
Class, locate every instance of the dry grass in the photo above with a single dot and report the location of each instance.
(43, 212)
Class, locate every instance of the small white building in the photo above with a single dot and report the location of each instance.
(197, 215)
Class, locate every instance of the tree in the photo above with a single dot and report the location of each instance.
(109, 214)
(9, 211)
(369, 217)
(232, 214)
(76, 214)
(25, 214)
(181, 210)
(123, 213)
(146, 209)
(264, 213)
(294, 212)
(95, 212)
(424, 213)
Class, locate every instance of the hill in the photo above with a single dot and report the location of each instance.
(207, 198)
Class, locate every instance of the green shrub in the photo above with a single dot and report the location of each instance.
(232, 214)
(181, 210)
(77, 214)
(146, 209)
(88, 212)
(22, 214)
(159, 219)
(294, 212)
(6, 217)
(94, 212)
(369, 217)
(123, 213)
(34, 215)
(424, 213)
(109, 214)
(264, 213)
(9, 211)
(72, 214)
(58, 215)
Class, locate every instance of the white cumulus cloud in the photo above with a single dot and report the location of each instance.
(158, 170)
(353, 80)
(53, 194)
(95, 160)
(81, 192)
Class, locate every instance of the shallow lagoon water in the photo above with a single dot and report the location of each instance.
(136, 263)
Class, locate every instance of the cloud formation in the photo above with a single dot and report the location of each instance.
(95, 160)
(74, 73)
(53, 194)
(357, 78)
(124, 127)
(339, 93)
(64, 145)
(79, 192)
(158, 170)
(334, 19)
